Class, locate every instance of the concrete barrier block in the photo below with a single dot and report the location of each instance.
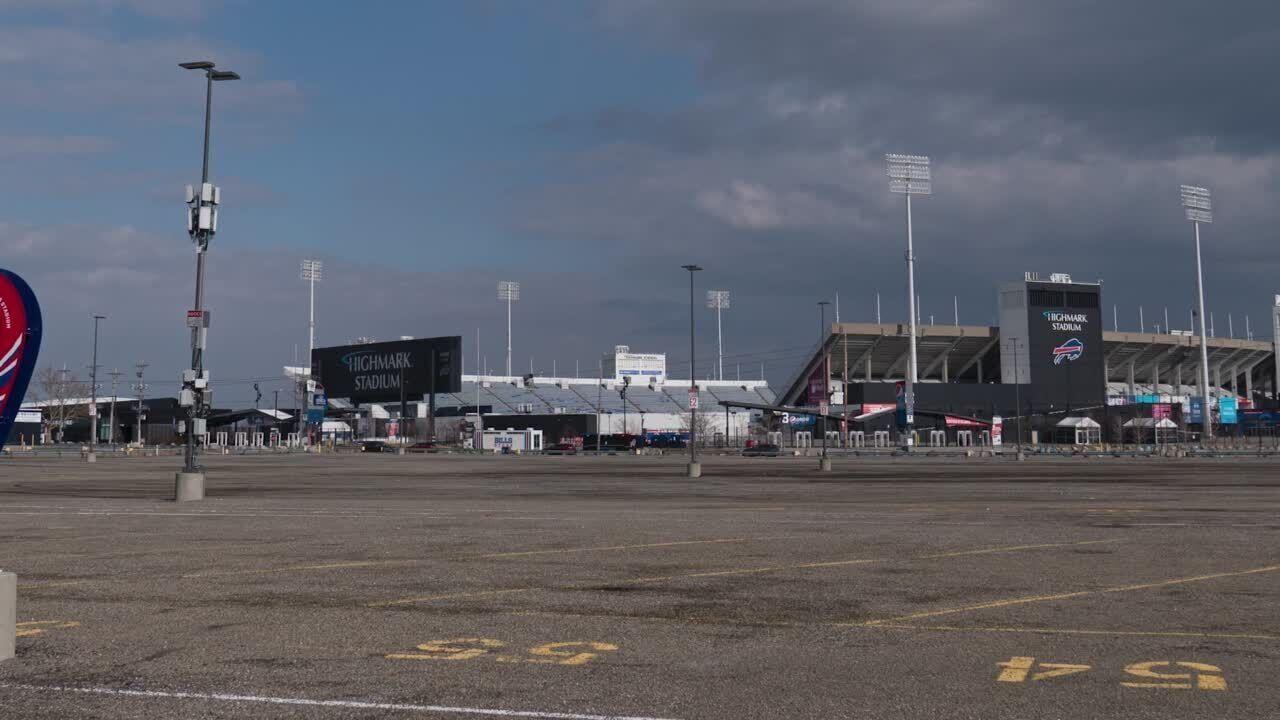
(8, 614)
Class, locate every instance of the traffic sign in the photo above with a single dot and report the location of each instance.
(823, 408)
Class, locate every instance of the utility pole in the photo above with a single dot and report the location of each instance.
(694, 470)
(141, 388)
(111, 427)
(202, 223)
(93, 395)
(825, 463)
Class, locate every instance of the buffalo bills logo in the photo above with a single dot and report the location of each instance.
(20, 327)
(1069, 350)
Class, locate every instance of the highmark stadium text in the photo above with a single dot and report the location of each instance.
(1070, 322)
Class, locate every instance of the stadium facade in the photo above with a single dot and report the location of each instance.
(1049, 363)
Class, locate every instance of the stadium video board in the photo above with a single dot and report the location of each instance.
(380, 372)
(1064, 324)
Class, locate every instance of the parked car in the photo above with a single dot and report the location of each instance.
(763, 450)
(374, 446)
(426, 446)
(561, 449)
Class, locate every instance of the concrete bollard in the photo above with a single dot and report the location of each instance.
(188, 486)
(824, 465)
(8, 614)
(695, 470)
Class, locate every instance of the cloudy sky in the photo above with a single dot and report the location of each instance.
(425, 151)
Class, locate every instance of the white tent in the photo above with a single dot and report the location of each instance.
(1079, 431)
(1160, 431)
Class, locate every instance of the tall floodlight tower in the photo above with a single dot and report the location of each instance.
(909, 175)
(1200, 210)
(719, 300)
(312, 272)
(509, 291)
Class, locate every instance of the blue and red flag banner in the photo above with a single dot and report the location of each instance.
(20, 330)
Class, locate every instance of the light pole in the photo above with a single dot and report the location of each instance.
(141, 387)
(93, 395)
(910, 175)
(509, 291)
(111, 424)
(1200, 210)
(825, 463)
(695, 470)
(202, 223)
(312, 272)
(718, 300)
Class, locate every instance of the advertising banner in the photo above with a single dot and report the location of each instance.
(1195, 413)
(20, 331)
(1161, 411)
(380, 372)
(997, 431)
(1227, 411)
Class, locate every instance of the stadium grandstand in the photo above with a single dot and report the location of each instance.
(1049, 362)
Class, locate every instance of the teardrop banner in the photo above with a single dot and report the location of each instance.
(20, 330)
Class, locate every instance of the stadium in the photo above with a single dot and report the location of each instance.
(1048, 373)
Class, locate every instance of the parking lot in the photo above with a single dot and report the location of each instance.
(577, 587)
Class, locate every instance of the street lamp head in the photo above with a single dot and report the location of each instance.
(197, 65)
(824, 303)
(718, 299)
(691, 268)
(99, 317)
(224, 75)
(508, 290)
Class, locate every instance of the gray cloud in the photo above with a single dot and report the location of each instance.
(46, 145)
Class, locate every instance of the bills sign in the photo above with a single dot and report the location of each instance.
(387, 371)
(1064, 346)
(20, 329)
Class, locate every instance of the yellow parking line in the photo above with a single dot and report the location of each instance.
(296, 568)
(1073, 631)
(483, 556)
(1063, 596)
(524, 553)
(52, 583)
(986, 551)
(722, 573)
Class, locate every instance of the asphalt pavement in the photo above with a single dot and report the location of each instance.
(370, 586)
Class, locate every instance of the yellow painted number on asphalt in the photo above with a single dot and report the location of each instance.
(1019, 669)
(560, 653)
(557, 653)
(1201, 676)
(39, 627)
(456, 649)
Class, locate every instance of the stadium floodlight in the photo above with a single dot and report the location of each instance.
(718, 300)
(509, 291)
(910, 175)
(1199, 208)
(312, 272)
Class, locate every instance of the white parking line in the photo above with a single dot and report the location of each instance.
(355, 704)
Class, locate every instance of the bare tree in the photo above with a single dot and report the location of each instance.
(701, 423)
(64, 398)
